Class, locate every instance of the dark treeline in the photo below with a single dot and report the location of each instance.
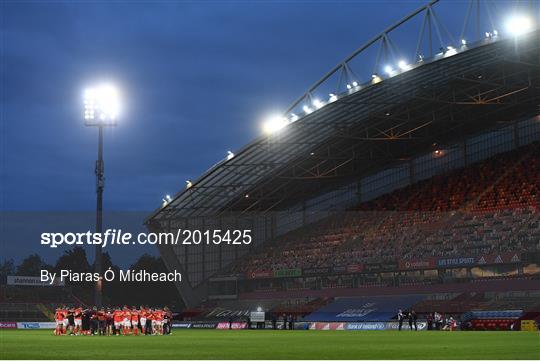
(114, 292)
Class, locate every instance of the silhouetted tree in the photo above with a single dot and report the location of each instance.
(73, 259)
(7, 268)
(32, 266)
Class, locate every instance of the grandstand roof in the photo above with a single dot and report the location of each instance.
(438, 101)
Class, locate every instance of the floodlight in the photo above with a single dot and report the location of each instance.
(101, 105)
(403, 65)
(274, 123)
(168, 198)
(188, 184)
(354, 84)
(388, 70)
(438, 153)
(349, 86)
(101, 108)
(294, 117)
(450, 50)
(332, 97)
(317, 103)
(518, 25)
(307, 109)
(463, 42)
(230, 155)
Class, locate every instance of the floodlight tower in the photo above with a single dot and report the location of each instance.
(101, 109)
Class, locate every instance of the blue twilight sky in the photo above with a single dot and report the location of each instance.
(196, 78)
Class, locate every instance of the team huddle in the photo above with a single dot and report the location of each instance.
(112, 321)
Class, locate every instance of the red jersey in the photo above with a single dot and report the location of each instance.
(118, 316)
(59, 315)
(158, 315)
(78, 313)
(134, 315)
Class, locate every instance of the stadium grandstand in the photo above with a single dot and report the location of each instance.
(414, 186)
(23, 301)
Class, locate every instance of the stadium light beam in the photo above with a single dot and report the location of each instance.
(101, 109)
(518, 25)
(274, 123)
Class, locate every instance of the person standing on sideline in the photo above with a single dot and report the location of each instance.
(400, 317)
(291, 322)
(414, 317)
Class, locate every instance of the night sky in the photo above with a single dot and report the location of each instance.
(197, 79)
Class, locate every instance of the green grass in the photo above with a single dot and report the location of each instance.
(224, 344)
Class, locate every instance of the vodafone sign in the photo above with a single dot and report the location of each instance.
(417, 264)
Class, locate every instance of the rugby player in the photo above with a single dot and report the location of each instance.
(59, 316)
(118, 318)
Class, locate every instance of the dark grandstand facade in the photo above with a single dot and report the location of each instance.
(421, 182)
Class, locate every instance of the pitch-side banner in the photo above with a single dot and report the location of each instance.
(327, 326)
(36, 325)
(181, 325)
(204, 325)
(364, 326)
(8, 324)
(31, 281)
(232, 326)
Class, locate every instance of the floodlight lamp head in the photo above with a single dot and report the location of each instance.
(101, 105)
